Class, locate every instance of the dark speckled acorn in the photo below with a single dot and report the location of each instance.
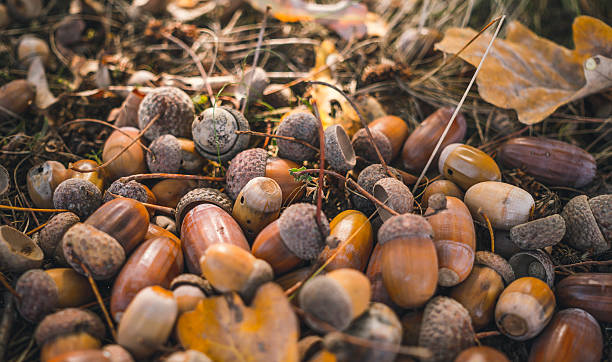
(589, 291)
(131, 189)
(214, 133)
(367, 179)
(583, 230)
(39, 295)
(539, 233)
(77, 195)
(339, 152)
(300, 232)
(175, 110)
(302, 125)
(550, 161)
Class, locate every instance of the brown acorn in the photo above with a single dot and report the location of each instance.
(73, 289)
(269, 246)
(393, 193)
(85, 355)
(524, 308)
(189, 290)
(174, 109)
(39, 295)
(16, 96)
(255, 162)
(367, 178)
(573, 335)
(18, 252)
(170, 154)
(416, 43)
(445, 187)
(257, 205)
(68, 330)
(550, 161)
(156, 262)
(455, 261)
(154, 231)
(421, 143)
(31, 47)
(481, 354)
(536, 263)
(335, 298)
(169, 192)
(95, 177)
(290, 279)
(77, 195)
(201, 196)
(453, 222)
(374, 274)
(584, 230)
(339, 152)
(389, 134)
(504, 205)
(302, 125)
(214, 133)
(42, 180)
(466, 165)
(130, 162)
(589, 291)
(354, 232)
(446, 329)
(538, 234)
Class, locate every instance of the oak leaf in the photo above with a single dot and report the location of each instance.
(226, 330)
(533, 75)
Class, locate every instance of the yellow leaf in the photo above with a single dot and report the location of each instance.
(226, 330)
(533, 75)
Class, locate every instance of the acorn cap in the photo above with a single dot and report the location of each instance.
(497, 263)
(437, 201)
(39, 295)
(446, 329)
(339, 151)
(51, 235)
(200, 196)
(165, 155)
(5, 181)
(69, 321)
(405, 226)
(601, 207)
(536, 263)
(365, 149)
(393, 193)
(77, 195)
(582, 231)
(18, 252)
(538, 233)
(214, 133)
(300, 232)
(262, 194)
(194, 280)
(131, 189)
(367, 179)
(326, 300)
(252, 85)
(175, 110)
(301, 125)
(99, 252)
(245, 166)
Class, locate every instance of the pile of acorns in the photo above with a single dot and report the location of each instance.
(397, 277)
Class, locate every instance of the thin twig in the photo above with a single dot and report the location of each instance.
(321, 166)
(176, 176)
(164, 209)
(486, 334)
(118, 129)
(36, 229)
(467, 90)
(5, 207)
(287, 138)
(590, 262)
(94, 287)
(9, 287)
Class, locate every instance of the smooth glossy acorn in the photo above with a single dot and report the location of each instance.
(214, 133)
(130, 162)
(466, 165)
(421, 143)
(257, 205)
(73, 289)
(389, 134)
(454, 222)
(169, 192)
(354, 233)
(455, 261)
(589, 291)
(96, 177)
(550, 161)
(504, 205)
(445, 187)
(481, 354)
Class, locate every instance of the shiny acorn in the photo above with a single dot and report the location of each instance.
(388, 133)
(421, 143)
(257, 205)
(96, 177)
(552, 162)
(589, 291)
(466, 165)
(504, 205)
(302, 125)
(130, 162)
(481, 354)
(214, 133)
(172, 110)
(169, 192)
(354, 232)
(73, 289)
(375, 275)
(445, 187)
(455, 261)
(454, 222)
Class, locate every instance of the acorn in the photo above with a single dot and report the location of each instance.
(42, 180)
(269, 246)
(147, 322)
(354, 232)
(68, 330)
(411, 327)
(127, 114)
(536, 263)
(170, 154)
(505, 205)
(416, 43)
(309, 346)
(154, 231)
(339, 151)
(408, 237)
(165, 222)
(77, 195)
(367, 179)
(73, 289)
(257, 205)
(481, 354)
(255, 162)
(132, 161)
(95, 177)
(117, 353)
(446, 329)
(230, 268)
(421, 143)
(524, 308)
(375, 275)
(278, 96)
(174, 108)
(393, 193)
(156, 262)
(131, 190)
(453, 222)
(25, 10)
(466, 165)
(200, 196)
(98, 251)
(549, 161)
(39, 295)
(455, 261)
(252, 85)
(388, 133)
(479, 292)
(16, 96)
(85, 355)
(335, 298)
(214, 133)
(302, 125)
(585, 230)
(445, 187)
(189, 290)
(290, 279)
(169, 192)
(30, 47)
(572, 335)
(190, 355)
(205, 225)
(588, 291)
(538, 234)
(377, 324)
(18, 252)
(141, 77)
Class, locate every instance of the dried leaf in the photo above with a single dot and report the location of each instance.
(533, 75)
(226, 330)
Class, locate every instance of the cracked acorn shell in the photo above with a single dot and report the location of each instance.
(388, 133)
(18, 252)
(175, 110)
(301, 125)
(446, 329)
(214, 133)
(583, 231)
(393, 193)
(505, 205)
(536, 263)
(538, 234)
(339, 152)
(39, 295)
